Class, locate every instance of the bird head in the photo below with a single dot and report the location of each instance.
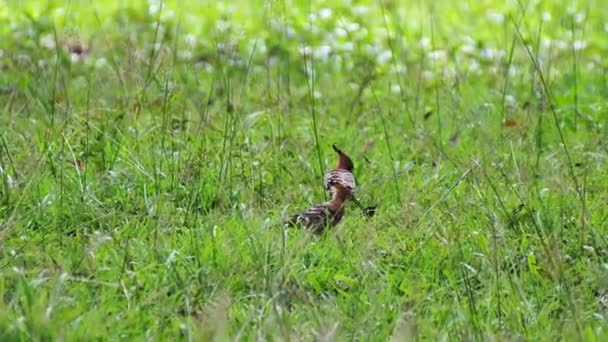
(344, 161)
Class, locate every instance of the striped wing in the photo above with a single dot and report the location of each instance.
(316, 218)
(339, 176)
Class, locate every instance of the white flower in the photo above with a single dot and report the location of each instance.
(384, 56)
(360, 9)
(322, 52)
(467, 48)
(305, 50)
(425, 42)
(495, 17)
(340, 32)
(348, 46)
(474, 66)
(190, 40)
(48, 41)
(579, 44)
(351, 27)
(438, 55)
(560, 44)
(325, 13)
(492, 54)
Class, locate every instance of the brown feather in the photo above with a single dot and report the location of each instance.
(343, 172)
(324, 215)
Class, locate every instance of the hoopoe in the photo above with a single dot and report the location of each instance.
(343, 174)
(324, 215)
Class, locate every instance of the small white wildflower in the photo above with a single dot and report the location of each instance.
(325, 13)
(47, 41)
(290, 32)
(305, 50)
(467, 48)
(468, 40)
(153, 8)
(348, 46)
(352, 27)
(560, 45)
(579, 44)
(322, 52)
(59, 12)
(425, 42)
(495, 17)
(184, 55)
(474, 66)
(372, 49)
(190, 40)
(428, 75)
(384, 57)
(396, 89)
(260, 47)
(438, 55)
(223, 26)
(382, 32)
(359, 9)
(579, 18)
(571, 10)
(171, 257)
(491, 54)
(546, 16)
(168, 14)
(340, 32)
(509, 99)
(588, 248)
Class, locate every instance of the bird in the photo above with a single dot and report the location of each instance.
(343, 174)
(321, 216)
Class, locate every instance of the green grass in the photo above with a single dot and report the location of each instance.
(143, 185)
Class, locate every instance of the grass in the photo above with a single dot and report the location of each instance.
(143, 182)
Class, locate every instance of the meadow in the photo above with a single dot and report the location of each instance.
(149, 152)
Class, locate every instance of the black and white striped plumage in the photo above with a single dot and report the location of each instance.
(342, 174)
(324, 215)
